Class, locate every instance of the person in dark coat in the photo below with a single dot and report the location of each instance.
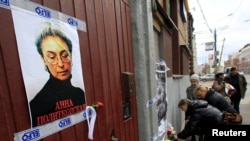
(239, 82)
(213, 98)
(201, 115)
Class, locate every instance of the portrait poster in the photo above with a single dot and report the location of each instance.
(162, 100)
(51, 69)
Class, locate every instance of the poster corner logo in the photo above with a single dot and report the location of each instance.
(64, 122)
(72, 21)
(28, 136)
(43, 12)
(5, 2)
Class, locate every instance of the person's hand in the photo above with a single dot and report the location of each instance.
(175, 138)
(228, 86)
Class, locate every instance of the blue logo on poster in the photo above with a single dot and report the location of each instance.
(73, 22)
(5, 2)
(31, 135)
(43, 12)
(64, 122)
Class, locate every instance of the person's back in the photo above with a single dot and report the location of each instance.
(200, 114)
(203, 113)
(213, 98)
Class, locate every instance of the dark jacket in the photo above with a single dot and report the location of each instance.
(217, 100)
(57, 99)
(200, 115)
(190, 92)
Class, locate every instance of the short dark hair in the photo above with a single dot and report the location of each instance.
(233, 68)
(184, 101)
(49, 31)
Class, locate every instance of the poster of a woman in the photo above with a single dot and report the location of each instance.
(49, 53)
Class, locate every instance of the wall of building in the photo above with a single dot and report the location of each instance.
(244, 59)
(176, 91)
(142, 33)
(152, 40)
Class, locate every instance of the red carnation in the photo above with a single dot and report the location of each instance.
(100, 104)
(169, 132)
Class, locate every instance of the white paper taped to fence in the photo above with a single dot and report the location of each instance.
(48, 13)
(43, 131)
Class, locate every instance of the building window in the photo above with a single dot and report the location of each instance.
(183, 11)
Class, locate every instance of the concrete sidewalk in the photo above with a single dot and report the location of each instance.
(245, 110)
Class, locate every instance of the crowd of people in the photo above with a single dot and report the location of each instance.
(216, 105)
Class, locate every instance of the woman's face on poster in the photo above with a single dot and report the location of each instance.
(56, 57)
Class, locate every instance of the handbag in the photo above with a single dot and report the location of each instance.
(232, 118)
(229, 89)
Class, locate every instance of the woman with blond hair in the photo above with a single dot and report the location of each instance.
(213, 98)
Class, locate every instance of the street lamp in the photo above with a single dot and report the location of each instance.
(215, 44)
